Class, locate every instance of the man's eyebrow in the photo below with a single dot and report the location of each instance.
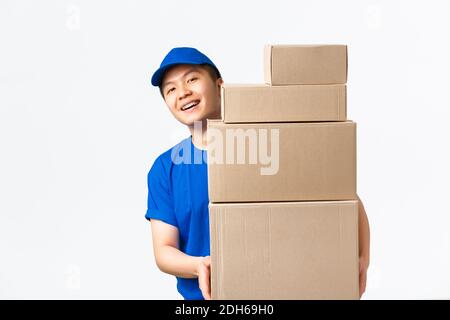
(184, 75)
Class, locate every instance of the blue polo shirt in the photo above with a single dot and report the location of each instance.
(178, 195)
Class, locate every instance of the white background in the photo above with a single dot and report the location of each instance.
(80, 126)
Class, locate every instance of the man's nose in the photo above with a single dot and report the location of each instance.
(184, 91)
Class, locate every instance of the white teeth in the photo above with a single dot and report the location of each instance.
(187, 106)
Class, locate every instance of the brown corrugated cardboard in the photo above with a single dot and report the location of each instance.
(305, 64)
(281, 161)
(263, 103)
(285, 250)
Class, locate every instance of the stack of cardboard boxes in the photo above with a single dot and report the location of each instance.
(282, 181)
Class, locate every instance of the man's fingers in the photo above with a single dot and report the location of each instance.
(362, 282)
(362, 276)
(202, 285)
(203, 281)
(361, 265)
(207, 295)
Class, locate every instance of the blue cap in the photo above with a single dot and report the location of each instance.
(180, 55)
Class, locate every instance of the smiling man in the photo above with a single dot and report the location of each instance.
(189, 83)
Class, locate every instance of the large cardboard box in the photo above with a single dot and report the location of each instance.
(284, 250)
(305, 64)
(263, 103)
(296, 161)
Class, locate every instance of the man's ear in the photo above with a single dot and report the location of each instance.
(219, 83)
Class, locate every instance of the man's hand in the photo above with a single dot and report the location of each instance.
(204, 277)
(363, 266)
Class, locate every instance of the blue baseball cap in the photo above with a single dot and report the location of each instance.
(180, 55)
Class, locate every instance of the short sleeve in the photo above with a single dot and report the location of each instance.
(160, 199)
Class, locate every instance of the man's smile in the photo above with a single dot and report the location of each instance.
(190, 105)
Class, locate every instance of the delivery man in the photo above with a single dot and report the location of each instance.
(177, 206)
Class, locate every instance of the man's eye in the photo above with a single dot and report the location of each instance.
(192, 79)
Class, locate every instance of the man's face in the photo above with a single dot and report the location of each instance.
(191, 94)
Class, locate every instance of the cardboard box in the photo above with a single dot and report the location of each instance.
(305, 64)
(285, 250)
(263, 103)
(296, 161)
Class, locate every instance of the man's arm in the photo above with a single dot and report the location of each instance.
(364, 233)
(364, 246)
(171, 260)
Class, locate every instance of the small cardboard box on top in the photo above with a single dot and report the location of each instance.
(305, 64)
